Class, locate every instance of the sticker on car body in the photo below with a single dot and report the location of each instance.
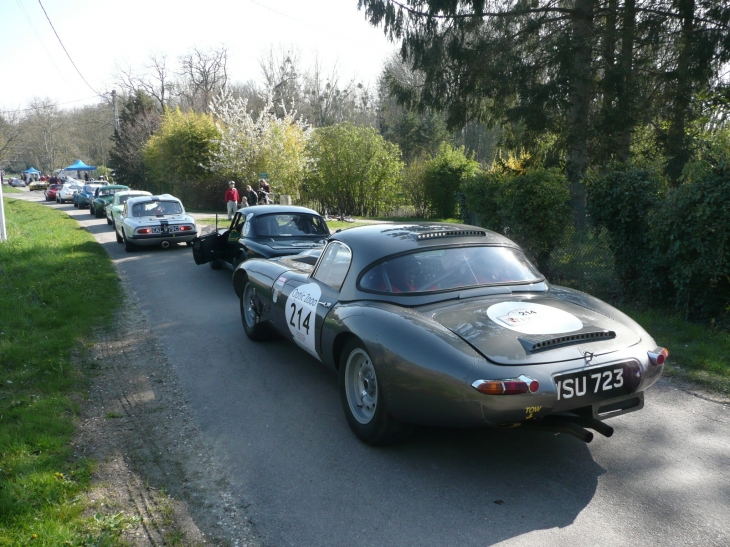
(301, 312)
(530, 318)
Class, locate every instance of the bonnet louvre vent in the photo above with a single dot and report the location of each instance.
(536, 344)
(452, 233)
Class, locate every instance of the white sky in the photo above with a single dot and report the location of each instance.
(99, 34)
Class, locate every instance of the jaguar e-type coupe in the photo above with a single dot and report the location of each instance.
(450, 325)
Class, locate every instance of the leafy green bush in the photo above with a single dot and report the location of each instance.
(443, 178)
(690, 239)
(621, 202)
(531, 207)
(353, 170)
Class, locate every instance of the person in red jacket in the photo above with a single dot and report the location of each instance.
(231, 199)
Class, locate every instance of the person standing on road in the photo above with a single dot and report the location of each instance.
(231, 199)
(251, 196)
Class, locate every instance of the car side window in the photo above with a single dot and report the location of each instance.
(334, 265)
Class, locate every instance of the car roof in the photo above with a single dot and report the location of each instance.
(133, 193)
(115, 186)
(267, 209)
(145, 199)
(378, 241)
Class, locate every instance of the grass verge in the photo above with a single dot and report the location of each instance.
(53, 274)
(11, 190)
(696, 352)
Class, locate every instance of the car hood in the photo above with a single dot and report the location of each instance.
(515, 330)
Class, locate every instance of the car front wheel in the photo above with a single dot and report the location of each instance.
(254, 330)
(109, 222)
(362, 399)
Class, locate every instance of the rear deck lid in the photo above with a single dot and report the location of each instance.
(529, 331)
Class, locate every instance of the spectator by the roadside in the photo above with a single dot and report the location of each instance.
(244, 202)
(251, 196)
(231, 199)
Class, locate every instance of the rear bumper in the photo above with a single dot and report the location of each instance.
(157, 239)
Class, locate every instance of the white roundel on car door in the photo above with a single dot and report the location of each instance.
(301, 311)
(530, 318)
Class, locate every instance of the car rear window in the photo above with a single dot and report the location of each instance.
(450, 268)
(156, 208)
(290, 224)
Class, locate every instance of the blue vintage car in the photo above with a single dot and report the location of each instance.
(84, 197)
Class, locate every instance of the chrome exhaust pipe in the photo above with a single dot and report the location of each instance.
(165, 244)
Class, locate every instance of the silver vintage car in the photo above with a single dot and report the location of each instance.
(450, 325)
(154, 220)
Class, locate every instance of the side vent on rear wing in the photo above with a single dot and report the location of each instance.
(537, 343)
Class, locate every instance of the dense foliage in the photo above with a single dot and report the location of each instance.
(530, 206)
(353, 170)
(621, 201)
(443, 177)
(179, 154)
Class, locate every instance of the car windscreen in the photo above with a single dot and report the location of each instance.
(108, 191)
(450, 268)
(290, 224)
(156, 208)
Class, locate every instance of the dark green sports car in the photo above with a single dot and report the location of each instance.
(103, 197)
(450, 325)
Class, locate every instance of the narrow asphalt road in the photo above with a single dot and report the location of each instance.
(273, 417)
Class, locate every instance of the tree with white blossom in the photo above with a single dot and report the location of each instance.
(262, 144)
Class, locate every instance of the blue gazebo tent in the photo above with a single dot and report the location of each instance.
(79, 165)
(31, 171)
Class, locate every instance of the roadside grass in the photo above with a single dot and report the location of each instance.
(696, 352)
(11, 190)
(52, 276)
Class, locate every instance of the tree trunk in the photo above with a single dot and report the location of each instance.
(677, 147)
(580, 98)
(625, 99)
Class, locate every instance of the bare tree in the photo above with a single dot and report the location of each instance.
(92, 129)
(157, 80)
(45, 140)
(10, 133)
(283, 79)
(203, 74)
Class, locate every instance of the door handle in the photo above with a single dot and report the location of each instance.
(325, 304)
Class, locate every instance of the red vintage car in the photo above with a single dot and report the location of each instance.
(51, 191)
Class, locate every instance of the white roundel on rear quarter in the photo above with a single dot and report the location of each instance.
(301, 312)
(529, 318)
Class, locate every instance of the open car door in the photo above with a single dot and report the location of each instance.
(209, 247)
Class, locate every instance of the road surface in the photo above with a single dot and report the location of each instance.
(272, 416)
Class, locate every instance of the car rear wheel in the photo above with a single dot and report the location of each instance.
(128, 245)
(362, 399)
(254, 330)
(76, 204)
(120, 239)
(109, 222)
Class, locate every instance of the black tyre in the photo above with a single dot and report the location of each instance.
(109, 222)
(120, 239)
(254, 330)
(362, 398)
(76, 205)
(216, 264)
(128, 245)
(98, 214)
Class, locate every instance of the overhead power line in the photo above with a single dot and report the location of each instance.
(2, 110)
(64, 49)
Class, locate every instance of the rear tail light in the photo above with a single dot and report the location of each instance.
(658, 356)
(185, 228)
(513, 386)
(144, 231)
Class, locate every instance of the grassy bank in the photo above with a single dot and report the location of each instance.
(10, 190)
(53, 274)
(696, 353)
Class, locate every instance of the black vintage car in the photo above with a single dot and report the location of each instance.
(262, 231)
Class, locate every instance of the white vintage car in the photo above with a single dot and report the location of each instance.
(114, 209)
(154, 220)
(67, 192)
